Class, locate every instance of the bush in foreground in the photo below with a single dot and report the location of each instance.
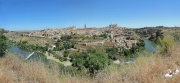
(3, 44)
(166, 45)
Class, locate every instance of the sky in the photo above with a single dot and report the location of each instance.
(42, 14)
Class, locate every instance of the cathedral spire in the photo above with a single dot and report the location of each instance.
(85, 25)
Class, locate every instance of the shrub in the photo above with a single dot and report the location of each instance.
(166, 45)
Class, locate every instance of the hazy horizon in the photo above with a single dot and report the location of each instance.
(42, 14)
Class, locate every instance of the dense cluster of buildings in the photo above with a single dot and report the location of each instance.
(115, 34)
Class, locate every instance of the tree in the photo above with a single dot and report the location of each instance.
(92, 61)
(66, 46)
(66, 53)
(159, 34)
(24, 42)
(126, 52)
(103, 35)
(128, 38)
(112, 53)
(91, 50)
(72, 44)
(141, 43)
(78, 60)
(134, 48)
(96, 62)
(3, 44)
(94, 36)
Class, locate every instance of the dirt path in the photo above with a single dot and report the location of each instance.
(66, 63)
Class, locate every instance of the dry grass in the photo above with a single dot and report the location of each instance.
(93, 39)
(73, 52)
(39, 41)
(108, 44)
(88, 46)
(75, 80)
(13, 70)
(170, 31)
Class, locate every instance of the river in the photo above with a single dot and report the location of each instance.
(24, 54)
(150, 46)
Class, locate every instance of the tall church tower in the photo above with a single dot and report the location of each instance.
(85, 26)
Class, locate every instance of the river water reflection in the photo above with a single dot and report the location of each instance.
(24, 54)
(150, 46)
